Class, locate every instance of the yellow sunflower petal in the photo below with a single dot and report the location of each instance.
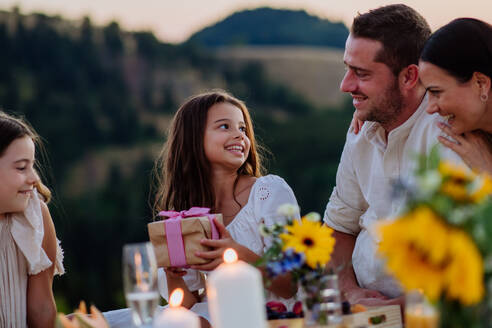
(311, 238)
(411, 258)
(483, 189)
(464, 276)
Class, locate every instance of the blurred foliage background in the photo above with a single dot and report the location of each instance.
(102, 98)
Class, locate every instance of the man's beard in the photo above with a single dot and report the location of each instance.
(389, 107)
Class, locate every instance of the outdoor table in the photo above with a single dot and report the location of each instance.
(122, 318)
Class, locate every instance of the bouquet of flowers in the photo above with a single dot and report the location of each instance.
(442, 242)
(302, 248)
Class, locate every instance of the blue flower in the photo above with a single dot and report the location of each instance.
(289, 252)
(292, 260)
(275, 269)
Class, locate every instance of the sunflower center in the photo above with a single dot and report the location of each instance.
(424, 257)
(308, 242)
(459, 180)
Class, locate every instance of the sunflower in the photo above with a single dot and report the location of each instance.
(457, 172)
(481, 188)
(423, 252)
(416, 250)
(312, 239)
(456, 179)
(464, 276)
(464, 185)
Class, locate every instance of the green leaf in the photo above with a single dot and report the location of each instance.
(434, 158)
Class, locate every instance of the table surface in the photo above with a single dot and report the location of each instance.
(391, 313)
(122, 318)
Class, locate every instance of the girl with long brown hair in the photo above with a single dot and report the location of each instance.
(211, 160)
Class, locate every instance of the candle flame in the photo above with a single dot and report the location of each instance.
(176, 297)
(137, 257)
(230, 256)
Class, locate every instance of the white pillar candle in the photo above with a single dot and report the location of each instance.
(235, 294)
(176, 316)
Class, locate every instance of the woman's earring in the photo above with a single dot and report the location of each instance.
(484, 97)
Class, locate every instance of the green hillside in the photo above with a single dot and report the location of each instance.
(102, 97)
(267, 26)
(313, 72)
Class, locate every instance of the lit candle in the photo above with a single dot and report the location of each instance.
(235, 294)
(176, 316)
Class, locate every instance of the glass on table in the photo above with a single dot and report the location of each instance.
(322, 301)
(419, 313)
(140, 282)
(331, 303)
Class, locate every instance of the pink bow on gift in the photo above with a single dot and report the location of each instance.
(175, 245)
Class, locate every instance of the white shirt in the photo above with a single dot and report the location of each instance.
(361, 197)
(266, 195)
(21, 255)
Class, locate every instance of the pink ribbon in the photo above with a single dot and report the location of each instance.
(172, 225)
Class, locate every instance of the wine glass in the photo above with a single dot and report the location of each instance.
(419, 312)
(140, 282)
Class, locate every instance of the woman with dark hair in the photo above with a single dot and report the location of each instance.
(456, 70)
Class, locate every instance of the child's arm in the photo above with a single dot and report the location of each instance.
(281, 286)
(174, 277)
(41, 308)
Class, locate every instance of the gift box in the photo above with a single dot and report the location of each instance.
(177, 238)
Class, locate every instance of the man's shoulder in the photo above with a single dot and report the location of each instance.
(426, 133)
(425, 122)
(363, 144)
(429, 119)
(365, 133)
(426, 127)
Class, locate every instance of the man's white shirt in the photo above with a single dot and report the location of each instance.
(362, 196)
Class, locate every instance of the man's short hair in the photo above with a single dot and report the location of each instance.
(400, 29)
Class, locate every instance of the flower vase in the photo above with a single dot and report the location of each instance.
(321, 299)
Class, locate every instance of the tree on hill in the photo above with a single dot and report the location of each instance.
(267, 26)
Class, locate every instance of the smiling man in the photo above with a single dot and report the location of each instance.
(382, 76)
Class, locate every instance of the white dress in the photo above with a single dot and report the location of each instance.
(267, 194)
(21, 254)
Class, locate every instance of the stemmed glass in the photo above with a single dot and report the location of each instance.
(140, 282)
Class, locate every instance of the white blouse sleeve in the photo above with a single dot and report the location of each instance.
(28, 233)
(269, 194)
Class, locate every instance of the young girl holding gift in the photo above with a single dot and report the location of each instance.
(210, 160)
(29, 251)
